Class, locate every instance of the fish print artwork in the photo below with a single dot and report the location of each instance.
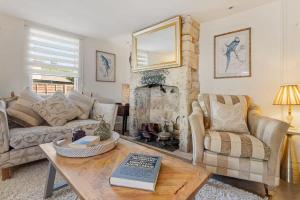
(233, 54)
(105, 66)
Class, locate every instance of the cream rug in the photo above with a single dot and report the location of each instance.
(28, 184)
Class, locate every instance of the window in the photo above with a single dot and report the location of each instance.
(53, 61)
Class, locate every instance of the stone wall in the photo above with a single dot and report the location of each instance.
(185, 78)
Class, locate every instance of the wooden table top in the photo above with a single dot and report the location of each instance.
(89, 177)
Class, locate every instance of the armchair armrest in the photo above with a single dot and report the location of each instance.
(198, 132)
(272, 133)
(4, 130)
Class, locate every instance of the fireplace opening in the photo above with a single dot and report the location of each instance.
(158, 116)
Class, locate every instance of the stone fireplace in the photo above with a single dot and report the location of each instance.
(165, 95)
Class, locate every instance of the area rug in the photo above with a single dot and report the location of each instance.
(28, 184)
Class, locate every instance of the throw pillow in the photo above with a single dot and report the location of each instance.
(84, 103)
(21, 109)
(229, 118)
(57, 110)
(108, 111)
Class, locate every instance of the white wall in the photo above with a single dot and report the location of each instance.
(13, 76)
(12, 73)
(292, 49)
(266, 45)
(275, 56)
(111, 90)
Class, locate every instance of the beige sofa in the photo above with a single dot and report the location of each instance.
(254, 157)
(21, 145)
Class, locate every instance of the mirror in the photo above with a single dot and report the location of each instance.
(158, 46)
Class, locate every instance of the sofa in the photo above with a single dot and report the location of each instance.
(254, 156)
(21, 145)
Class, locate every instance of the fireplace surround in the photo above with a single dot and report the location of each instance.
(159, 96)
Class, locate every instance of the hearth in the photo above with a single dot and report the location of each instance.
(162, 137)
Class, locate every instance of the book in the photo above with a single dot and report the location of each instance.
(137, 171)
(85, 142)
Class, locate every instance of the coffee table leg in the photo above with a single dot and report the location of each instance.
(50, 181)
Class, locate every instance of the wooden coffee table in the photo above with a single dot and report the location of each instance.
(89, 177)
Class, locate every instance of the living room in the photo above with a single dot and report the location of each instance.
(208, 87)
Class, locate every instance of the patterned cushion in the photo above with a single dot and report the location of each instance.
(57, 110)
(204, 102)
(28, 137)
(84, 103)
(236, 145)
(109, 111)
(22, 108)
(226, 117)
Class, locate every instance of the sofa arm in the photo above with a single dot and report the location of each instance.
(198, 132)
(272, 133)
(4, 143)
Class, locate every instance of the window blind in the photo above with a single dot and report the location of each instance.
(52, 54)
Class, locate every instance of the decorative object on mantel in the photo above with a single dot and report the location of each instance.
(105, 66)
(232, 54)
(103, 128)
(154, 78)
(288, 95)
(158, 46)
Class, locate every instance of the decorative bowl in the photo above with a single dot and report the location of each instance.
(62, 148)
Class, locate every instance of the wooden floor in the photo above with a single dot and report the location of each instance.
(284, 192)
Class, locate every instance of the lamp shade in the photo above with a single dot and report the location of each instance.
(125, 93)
(287, 95)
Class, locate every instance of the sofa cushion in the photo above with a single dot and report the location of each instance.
(204, 102)
(21, 109)
(88, 125)
(84, 103)
(57, 110)
(236, 145)
(28, 137)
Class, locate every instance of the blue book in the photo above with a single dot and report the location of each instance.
(137, 171)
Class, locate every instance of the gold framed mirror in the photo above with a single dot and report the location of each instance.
(158, 46)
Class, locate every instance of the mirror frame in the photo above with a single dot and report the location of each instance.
(162, 25)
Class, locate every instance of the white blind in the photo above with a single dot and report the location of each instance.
(52, 54)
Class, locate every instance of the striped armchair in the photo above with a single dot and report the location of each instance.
(254, 156)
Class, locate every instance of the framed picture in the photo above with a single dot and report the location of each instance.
(105, 66)
(233, 54)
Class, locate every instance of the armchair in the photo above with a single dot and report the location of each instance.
(254, 156)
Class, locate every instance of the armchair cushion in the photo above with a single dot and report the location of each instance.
(236, 145)
(205, 99)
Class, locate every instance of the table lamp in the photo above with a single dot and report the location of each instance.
(288, 95)
(125, 94)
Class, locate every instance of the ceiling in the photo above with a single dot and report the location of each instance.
(111, 18)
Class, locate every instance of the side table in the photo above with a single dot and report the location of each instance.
(289, 170)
